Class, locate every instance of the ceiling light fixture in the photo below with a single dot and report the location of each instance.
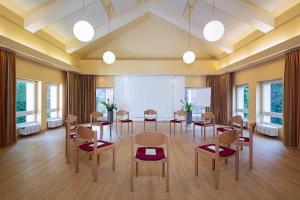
(109, 57)
(189, 56)
(214, 29)
(83, 30)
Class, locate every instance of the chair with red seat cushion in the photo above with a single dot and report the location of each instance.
(70, 128)
(94, 121)
(122, 116)
(207, 120)
(150, 147)
(94, 148)
(150, 115)
(248, 141)
(217, 152)
(179, 118)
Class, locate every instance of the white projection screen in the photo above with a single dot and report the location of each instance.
(138, 93)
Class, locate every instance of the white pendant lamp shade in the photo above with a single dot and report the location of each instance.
(109, 57)
(189, 57)
(213, 31)
(83, 31)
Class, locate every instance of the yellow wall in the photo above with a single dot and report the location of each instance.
(30, 70)
(105, 81)
(195, 81)
(271, 70)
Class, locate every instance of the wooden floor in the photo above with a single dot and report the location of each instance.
(35, 168)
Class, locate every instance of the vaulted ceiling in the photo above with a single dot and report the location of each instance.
(149, 28)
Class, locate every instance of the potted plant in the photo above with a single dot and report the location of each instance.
(110, 107)
(188, 108)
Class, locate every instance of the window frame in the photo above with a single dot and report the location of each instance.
(112, 88)
(237, 110)
(57, 99)
(266, 113)
(30, 112)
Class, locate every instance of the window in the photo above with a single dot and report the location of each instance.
(200, 97)
(52, 101)
(25, 101)
(242, 100)
(272, 102)
(102, 94)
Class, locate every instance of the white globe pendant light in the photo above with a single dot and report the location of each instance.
(109, 57)
(83, 31)
(189, 57)
(213, 31)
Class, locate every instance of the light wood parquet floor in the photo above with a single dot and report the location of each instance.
(35, 169)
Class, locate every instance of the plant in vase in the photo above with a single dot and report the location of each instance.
(188, 108)
(110, 107)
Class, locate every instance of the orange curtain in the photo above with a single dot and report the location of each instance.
(221, 96)
(292, 99)
(81, 95)
(7, 98)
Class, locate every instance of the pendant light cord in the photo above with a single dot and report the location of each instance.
(189, 26)
(83, 4)
(213, 7)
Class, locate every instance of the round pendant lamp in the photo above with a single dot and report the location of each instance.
(109, 57)
(189, 56)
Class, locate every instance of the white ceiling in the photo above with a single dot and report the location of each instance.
(240, 17)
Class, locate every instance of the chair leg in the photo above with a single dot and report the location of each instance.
(250, 156)
(193, 130)
(98, 159)
(217, 173)
(128, 127)
(174, 128)
(131, 127)
(155, 125)
(181, 128)
(170, 127)
(77, 160)
(237, 166)
(110, 131)
(186, 127)
(68, 153)
(95, 174)
(121, 128)
(214, 131)
(114, 159)
(163, 169)
(204, 133)
(101, 132)
(144, 126)
(168, 169)
(136, 169)
(131, 176)
(196, 163)
(213, 164)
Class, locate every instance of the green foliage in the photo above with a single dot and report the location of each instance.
(246, 101)
(276, 101)
(188, 107)
(20, 100)
(109, 106)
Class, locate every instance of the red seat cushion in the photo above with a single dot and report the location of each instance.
(202, 123)
(224, 153)
(141, 154)
(87, 147)
(175, 121)
(126, 120)
(244, 139)
(225, 128)
(102, 123)
(150, 120)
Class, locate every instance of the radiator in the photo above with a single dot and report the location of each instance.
(27, 129)
(53, 123)
(268, 130)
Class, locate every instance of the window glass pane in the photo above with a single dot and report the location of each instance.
(53, 114)
(20, 96)
(20, 120)
(102, 95)
(53, 95)
(52, 101)
(242, 101)
(276, 97)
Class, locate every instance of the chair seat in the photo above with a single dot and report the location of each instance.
(89, 146)
(223, 151)
(102, 123)
(141, 154)
(150, 119)
(126, 121)
(244, 139)
(202, 123)
(225, 128)
(176, 121)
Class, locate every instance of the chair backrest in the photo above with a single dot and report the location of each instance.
(122, 113)
(179, 114)
(208, 116)
(237, 121)
(150, 139)
(85, 133)
(228, 137)
(95, 115)
(67, 127)
(150, 112)
(72, 119)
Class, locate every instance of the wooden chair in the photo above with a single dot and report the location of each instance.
(94, 120)
(218, 153)
(122, 116)
(248, 141)
(70, 138)
(94, 148)
(153, 117)
(150, 141)
(73, 120)
(207, 120)
(179, 117)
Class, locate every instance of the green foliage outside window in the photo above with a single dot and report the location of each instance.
(20, 101)
(276, 102)
(246, 101)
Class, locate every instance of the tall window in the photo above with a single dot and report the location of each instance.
(25, 101)
(52, 101)
(200, 98)
(272, 102)
(102, 94)
(242, 100)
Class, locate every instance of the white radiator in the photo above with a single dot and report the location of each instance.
(268, 130)
(27, 129)
(53, 123)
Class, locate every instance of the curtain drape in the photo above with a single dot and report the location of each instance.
(81, 95)
(7, 98)
(292, 99)
(221, 96)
